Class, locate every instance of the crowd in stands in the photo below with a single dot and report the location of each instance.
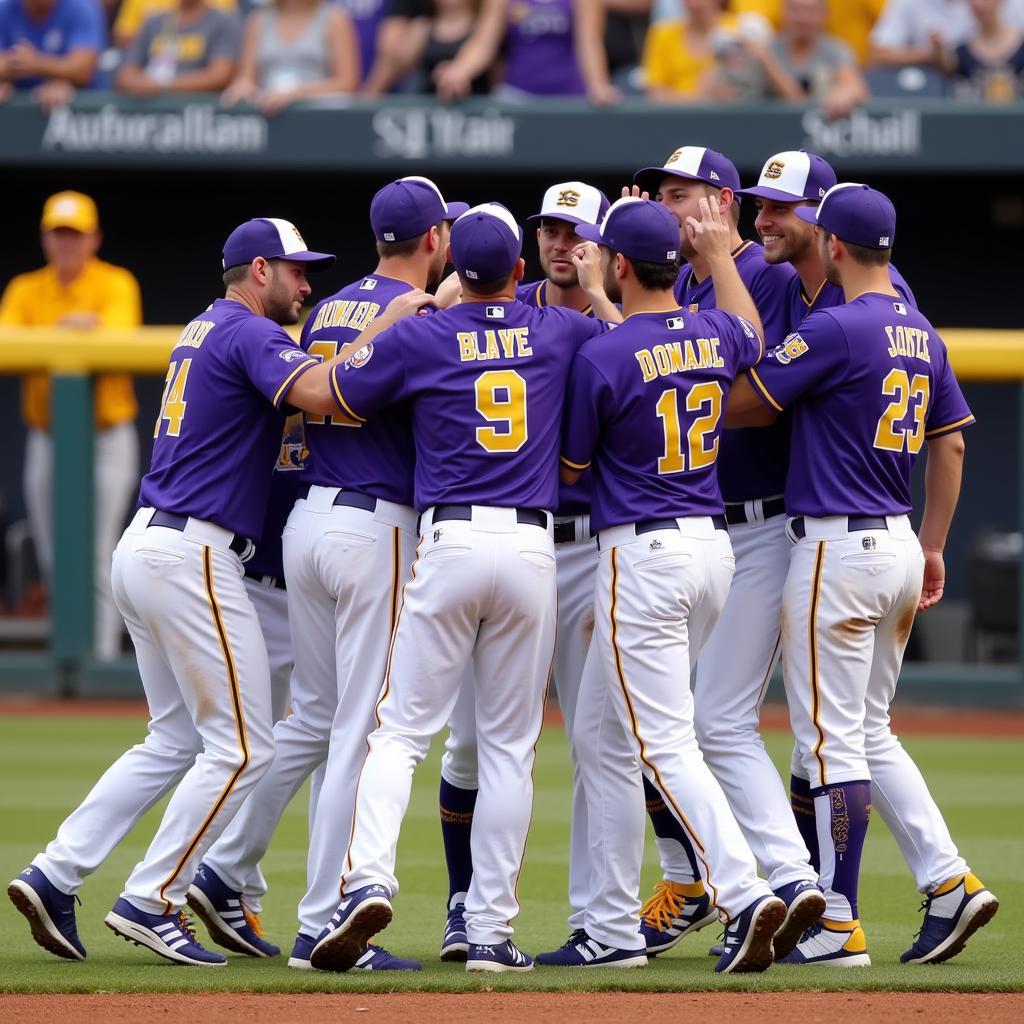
(271, 53)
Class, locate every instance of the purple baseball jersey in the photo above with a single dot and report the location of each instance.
(752, 462)
(573, 499)
(487, 384)
(287, 485)
(871, 381)
(645, 405)
(376, 457)
(219, 430)
(802, 305)
(540, 51)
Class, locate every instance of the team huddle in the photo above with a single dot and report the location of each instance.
(641, 483)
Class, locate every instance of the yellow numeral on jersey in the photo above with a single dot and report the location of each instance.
(172, 405)
(708, 394)
(501, 398)
(326, 351)
(903, 389)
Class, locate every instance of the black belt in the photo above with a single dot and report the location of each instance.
(172, 521)
(736, 511)
(277, 582)
(565, 532)
(529, 516)
(650, 525)
(356, 499)
(853, 523)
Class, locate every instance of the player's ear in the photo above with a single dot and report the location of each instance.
(519, 270)
(433, 239)
(726, 197)
(448, 252)
(260, 269)
(620, 266)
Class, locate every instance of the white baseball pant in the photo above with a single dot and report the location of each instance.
(116, 482)
(207, 681)
(481, 589)
(657, 598)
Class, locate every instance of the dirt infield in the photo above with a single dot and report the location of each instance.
(520, 1008)
(926, 721)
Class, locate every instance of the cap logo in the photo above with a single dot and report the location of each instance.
(298, 237)
(774, 170)
(568, 197)
(472, 275)
(884, 241)
(674, 157)
(389, 236)
(672, 254)
(821, 192)
(714, 177)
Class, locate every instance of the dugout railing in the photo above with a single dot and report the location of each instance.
(73, 357)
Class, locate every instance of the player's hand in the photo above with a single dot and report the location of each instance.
(711, 235)
(408, 304)
(634, 193)
(449, 292)
(586, 258)
(934, 580)
(22, 60)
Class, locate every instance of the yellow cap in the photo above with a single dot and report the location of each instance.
(70, 210)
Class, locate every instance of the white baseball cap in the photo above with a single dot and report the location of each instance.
(575, 202)
(792, 176)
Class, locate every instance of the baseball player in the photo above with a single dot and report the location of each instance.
(876, 374)
(645, 405)
(730, 678)
(348, 547)
(486, 380)
(564, 207)
(177, 577)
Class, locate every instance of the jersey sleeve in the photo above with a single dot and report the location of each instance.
(373, 377)
(804, 364)
(743, 344)
(947, 409)
(900, 284)
(586, 403)
(770, 291)
(271, 360)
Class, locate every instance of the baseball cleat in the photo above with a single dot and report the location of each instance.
(583, 951)
(748, 938)
(831, 944)
(49, 912)
(455, 943)
(299, 957)
(169, 936)
(670, 915)
(805, 903)
(502, 956)
(376, 958)
(221, 910)
(360, 915)
(952, 914)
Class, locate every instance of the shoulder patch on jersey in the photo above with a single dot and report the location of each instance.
(360, 358)
(792, 348)
(748, 327)
(367, 284)
(292, 355)
(495, 312)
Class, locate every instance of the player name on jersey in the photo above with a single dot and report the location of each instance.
(506, 342)
(678, 356)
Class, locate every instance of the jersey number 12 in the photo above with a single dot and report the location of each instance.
(697, 454)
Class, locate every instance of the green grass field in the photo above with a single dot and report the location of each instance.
(48, 764)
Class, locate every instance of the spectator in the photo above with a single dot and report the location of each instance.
(49, 46)
(133, 14)
(193, 49)
(819, 66)
(626, 26)
(367, 17)
(77, 290)
(990, 64)
(551, 48)
(295, 50)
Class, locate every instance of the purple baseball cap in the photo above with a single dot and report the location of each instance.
(273, 239)
(486, 243)
(854, 213)
(573, 201)
(638, 228)
(792, 177)
(409, 206)
(694, 163)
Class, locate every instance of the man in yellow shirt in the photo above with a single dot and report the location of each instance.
(77, 290)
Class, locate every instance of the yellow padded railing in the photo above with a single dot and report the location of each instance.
(976, 353)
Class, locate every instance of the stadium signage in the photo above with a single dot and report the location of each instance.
(415, 133)
(195, 128)
(863, 133)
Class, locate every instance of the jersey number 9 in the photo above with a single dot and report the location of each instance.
(904, 389)
(698, 454)
(501, 399)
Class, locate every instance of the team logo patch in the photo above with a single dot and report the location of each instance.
(656, 545)
(292, 355)
(673, 158)
(748, 328)
(774, 170)
(694, 307)
(472, 275)
(495, 312)
(884, 241)
(900, 308)
(672, 254)
(368, 284)
(868, 543)
(389, 236)
(674, 323)
(292, 457)
(792, 348)
(298, 237)
(714, 177)
(360, 358)
(568, 197)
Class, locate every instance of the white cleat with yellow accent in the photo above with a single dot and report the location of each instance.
(831, 944)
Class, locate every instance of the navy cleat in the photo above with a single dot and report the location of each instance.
(502, 956)
(378, 959)
(49, 912)
(360, 915)
(455, 943)
(169, 936)
(805, 903)
(301, 952)
(670, 915)
(748, 938)
(583, 951)
(952, 914)
(221, 910)
(831, 944)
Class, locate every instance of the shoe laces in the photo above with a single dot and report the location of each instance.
(923, 909)
(575, 938)
(664, 905)
(185, 924)
(253, 921)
